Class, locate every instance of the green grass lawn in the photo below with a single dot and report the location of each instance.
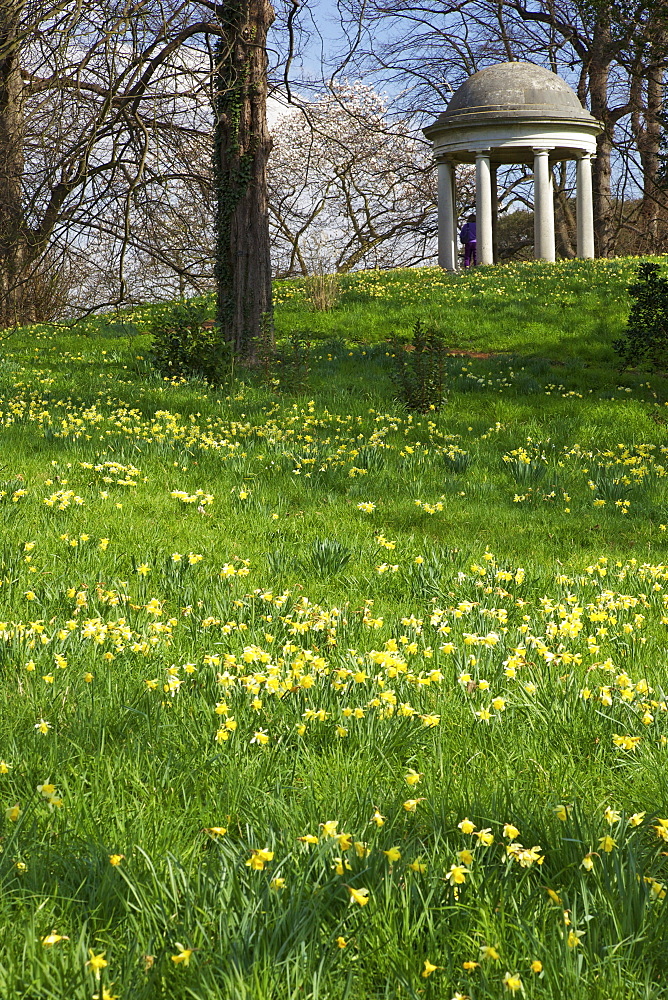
(307, 696)
(564, 310)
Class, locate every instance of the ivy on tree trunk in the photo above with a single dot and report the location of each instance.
(241, 151)
(15, 303)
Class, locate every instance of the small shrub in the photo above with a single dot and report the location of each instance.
(419, 370)
(187, 344)
(322, 291)
(646, 337)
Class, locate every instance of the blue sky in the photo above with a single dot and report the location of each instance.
(322, 22)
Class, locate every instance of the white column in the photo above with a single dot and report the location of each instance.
(495, 215)
(585, 207)
(483, 208)
(447, 244)
(543, 206)
(455, 221)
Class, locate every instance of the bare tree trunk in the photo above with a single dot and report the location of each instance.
(242, 147)
(599, 72)
(15, 306)
(648, 139)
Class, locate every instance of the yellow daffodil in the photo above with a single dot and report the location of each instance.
(429, 967)
(466, 826)
(183, 955)
(612, 816)
(457, 874)
(661, 829)
(574, 938)
(259, 858)
(96, 962)
(512, 982)
(53, 938)
(360, 896)
(485, 837)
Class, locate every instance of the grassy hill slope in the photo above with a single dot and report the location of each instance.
(305, 695)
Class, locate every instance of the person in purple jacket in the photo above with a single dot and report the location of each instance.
(467, 237)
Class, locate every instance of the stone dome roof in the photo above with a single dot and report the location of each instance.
(514, 90)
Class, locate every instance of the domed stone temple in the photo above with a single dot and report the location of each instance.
(513, 112)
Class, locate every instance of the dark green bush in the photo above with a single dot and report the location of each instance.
(419, 369)
(187, 344)
(645, 341)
